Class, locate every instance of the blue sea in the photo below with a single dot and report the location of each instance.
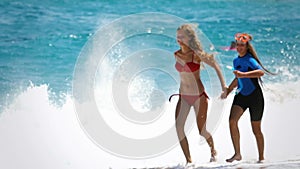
(51, 49)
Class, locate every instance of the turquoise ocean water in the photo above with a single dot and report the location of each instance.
(40, 41)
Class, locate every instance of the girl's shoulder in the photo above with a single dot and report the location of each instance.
(197, 56)
(177, 52)
(236, 59)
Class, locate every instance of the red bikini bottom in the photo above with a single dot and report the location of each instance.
(190, 99)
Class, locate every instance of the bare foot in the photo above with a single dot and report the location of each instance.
(261, 161)
(236, 157)
(213, 159)
(213, 156)
(188, 162)
(189, 165)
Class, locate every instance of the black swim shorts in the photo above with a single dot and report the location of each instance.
(254, 101)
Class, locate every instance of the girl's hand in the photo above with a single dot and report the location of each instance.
(238, 74)
(224, 93)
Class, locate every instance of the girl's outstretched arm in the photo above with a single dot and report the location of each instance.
(232, 85)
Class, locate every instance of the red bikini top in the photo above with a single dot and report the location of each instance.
(187, 67)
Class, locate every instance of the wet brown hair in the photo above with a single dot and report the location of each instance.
(252, 51)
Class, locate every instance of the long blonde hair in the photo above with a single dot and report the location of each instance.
(194, 42)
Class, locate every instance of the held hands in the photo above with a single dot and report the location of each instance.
(224, 93)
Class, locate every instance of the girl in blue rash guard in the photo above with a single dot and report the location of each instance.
(248, 70)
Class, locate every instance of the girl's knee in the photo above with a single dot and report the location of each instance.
(233, 122)
(179, 126)
(204, 133)
(257, 132)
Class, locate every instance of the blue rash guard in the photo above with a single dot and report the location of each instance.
(245, 64)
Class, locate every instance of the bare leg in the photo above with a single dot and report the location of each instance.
(256, 128)
(182, 110)
(235, 114)
(200, 107)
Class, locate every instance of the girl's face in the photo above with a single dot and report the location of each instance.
(182, 39)
(241, 48)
